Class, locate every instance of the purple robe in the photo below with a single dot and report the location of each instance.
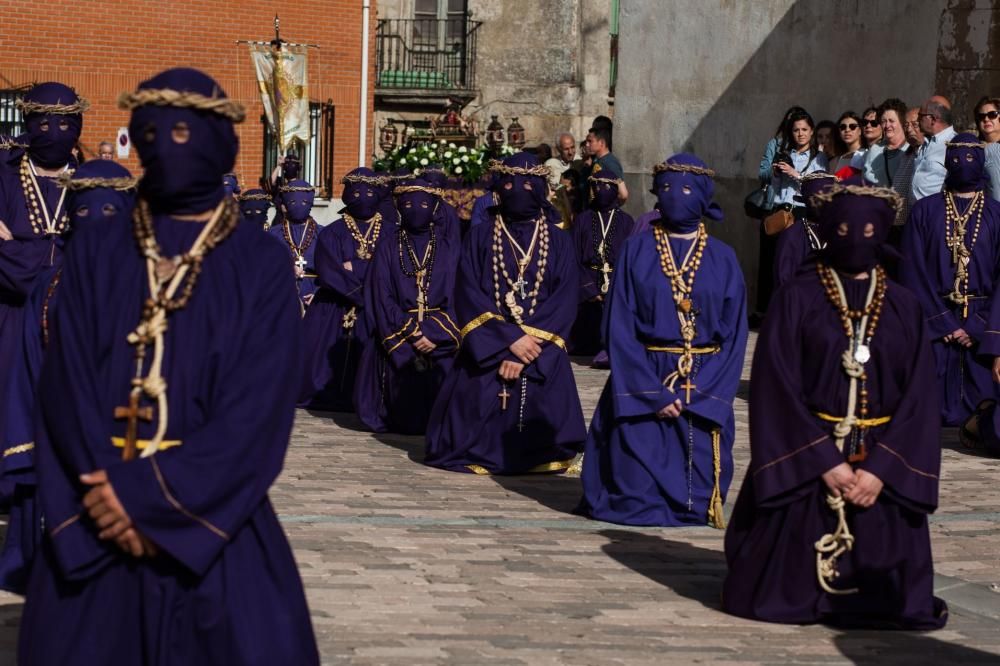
(964, 375)
(396, 385)
(467, 426)
(792, 249)
(17, 466)
(639, 469)
(585, 337)
(224, 587)
(781, 511)
(21, 261)
(332, 352)
(305, 240)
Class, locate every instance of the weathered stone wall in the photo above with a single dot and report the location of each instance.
(968, 55)
(715, 76)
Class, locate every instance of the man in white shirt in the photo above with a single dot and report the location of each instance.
(560, 162)
(929, 171)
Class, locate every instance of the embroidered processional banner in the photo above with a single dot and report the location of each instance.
(284, 90)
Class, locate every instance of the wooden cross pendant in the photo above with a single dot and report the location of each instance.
(688, 387)
(504, 395)
(132, 413)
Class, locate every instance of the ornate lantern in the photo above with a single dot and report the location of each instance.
(494, 136)
(515, 134)
(387, 137)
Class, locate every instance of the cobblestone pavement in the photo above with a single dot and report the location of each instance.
(404, 564)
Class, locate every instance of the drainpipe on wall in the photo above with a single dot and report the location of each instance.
(613, 68)
(363, 124)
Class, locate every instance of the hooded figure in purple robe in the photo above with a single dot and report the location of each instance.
(232, 184)
(33, 208)
(408, 295)
(659, 451)
(795, 245)
(254, 206)
(336, 326)
(161, 546)
(435, 176)
(831, 522)
(510, 404)
(951, 246)
(298, 231)
(598, 235)
(98, 192)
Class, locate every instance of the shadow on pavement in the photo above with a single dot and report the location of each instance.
(871, 648)
(690, 571)
(10, 622)
(412, 445)
(555, 491)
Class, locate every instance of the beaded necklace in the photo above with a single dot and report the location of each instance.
(955, 227)
(422, 270)
(166, 275)
(540, 237)
(859, 327)
(49, 293)
(366, 241)
(682, 285)
(602, 245)
(43, 222)
(299, 249)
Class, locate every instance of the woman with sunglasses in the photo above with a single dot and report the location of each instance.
(871, 129)
(850, 152)
(988, 119)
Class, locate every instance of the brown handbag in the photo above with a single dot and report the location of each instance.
(778, 221)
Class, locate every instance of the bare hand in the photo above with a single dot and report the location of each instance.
(671, 411)
(424, 346)
(348, 266)
(840, 479)
(300, 272)
(510, 370)
(960, 337)
(5, 232)
(788, 170)
(135, 544)
(865, 491)
(996, 369)
(308, 299)
(526, 349)
(103, 506)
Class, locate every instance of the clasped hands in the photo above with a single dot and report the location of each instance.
(109, 515)
(960, 337)
(859, 487)
(526, 349)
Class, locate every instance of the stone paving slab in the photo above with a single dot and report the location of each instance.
(404, 564)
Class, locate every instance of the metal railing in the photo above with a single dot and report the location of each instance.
(317, 159)
(11, 123)
(434, 54)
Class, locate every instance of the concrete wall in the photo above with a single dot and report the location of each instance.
(968, 67)
(714, 77)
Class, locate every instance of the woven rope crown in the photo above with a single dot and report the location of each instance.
(185, 100)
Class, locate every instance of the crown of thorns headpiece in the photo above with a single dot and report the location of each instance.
(185, 100)
(404, 189)
(965, 144)
(541, 171)
(376, 181)
(683, 168)
(28, 107)
(889, 196)
(122, 184)
(9, 144)
(817, 175)
(297, 188)
(594, 178)
(257, 196)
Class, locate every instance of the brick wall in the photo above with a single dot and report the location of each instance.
(102, 47)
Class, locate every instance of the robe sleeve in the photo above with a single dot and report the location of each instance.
(718, 380)
(70, 414)
(393, 325)
(788, 449)
(192, 499)
(588, 286)
(907, 456)
(330, 272)
(486, 336)
(636, 388)
(989, 343)
(915, 273)
(20, 263)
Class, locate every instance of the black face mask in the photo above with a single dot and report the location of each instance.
(51, 138)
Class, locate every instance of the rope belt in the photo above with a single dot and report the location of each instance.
(858, 423)
(416, 310)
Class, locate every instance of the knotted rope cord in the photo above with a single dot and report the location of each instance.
(832, 545)
(155, 326)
